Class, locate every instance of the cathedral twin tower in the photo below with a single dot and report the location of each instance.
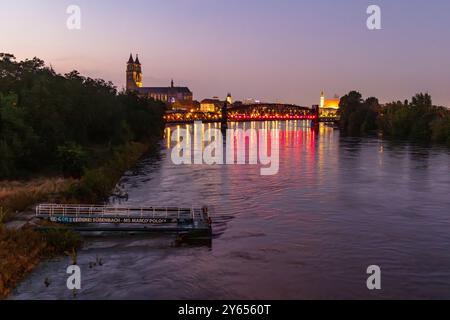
(134, 74)
(170, 95)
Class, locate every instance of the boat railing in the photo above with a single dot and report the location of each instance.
(47, 211)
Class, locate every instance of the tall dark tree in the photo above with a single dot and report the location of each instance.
(358, 116)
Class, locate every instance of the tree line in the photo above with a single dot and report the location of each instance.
(52, 123)
(417, 119)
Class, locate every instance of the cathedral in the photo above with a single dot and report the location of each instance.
(170, 95)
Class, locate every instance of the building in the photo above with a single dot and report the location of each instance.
(251, 101)
(215, 104)
(181, 96)
(211, 105)
(329, 107)
(329, 103)
(229, 99)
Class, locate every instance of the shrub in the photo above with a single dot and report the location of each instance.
(72, 160)
(97, 184)
(4, 215)
(22, 250)
(61, 241)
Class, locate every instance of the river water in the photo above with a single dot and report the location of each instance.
(336, 206)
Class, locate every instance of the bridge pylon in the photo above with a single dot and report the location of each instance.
(224, 119)
(316, 114)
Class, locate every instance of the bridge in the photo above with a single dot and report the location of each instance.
(251, 112)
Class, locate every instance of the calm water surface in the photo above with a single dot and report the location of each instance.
(337, 206)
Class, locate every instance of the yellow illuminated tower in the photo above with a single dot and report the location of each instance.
(139, 75)
(322, 100)
(229, 99)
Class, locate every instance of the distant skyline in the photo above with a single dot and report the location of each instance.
(272, 50)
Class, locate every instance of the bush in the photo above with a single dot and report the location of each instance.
(440, 129)
(72, 160)
(22, 250)
(61, 241)
(4, 215)
(97, 184)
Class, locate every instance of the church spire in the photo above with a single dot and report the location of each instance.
(131, 59)
(137, 60)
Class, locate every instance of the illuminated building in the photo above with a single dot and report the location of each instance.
(229, 99)
(251, 101)
(134, 74)
(322, 100)
(211, 105)
(329, 107)
(181, 96)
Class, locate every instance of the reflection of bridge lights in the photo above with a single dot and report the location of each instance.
(168, 137)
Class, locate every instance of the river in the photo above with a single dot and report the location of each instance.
(336, 206)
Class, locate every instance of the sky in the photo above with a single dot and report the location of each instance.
(272, 50)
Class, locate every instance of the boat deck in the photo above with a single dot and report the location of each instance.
(92, 218)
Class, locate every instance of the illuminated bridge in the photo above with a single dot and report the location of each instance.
(251, 112)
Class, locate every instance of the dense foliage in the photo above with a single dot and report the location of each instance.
(358, 116)
(417, 119)
(53, 122)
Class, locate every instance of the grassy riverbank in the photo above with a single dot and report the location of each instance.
(18, 196)
(22, 250)
(64, 138)
(97, 184)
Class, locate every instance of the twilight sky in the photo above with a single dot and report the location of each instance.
(273, 50)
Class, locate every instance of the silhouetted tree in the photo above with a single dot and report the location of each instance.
(416, 120)
(358, 116)
(40, 111)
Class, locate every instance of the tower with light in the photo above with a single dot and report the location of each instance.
(134, 74)
(322, 100)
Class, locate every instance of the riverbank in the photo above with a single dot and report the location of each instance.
(417, 120)
(22, 249)
(17, 196)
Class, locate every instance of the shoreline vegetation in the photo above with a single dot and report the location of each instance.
(65, 139)
(417, 120)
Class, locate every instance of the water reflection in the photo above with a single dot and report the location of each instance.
(246, 138)
(336, 206)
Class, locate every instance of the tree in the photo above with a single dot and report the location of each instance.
(41, 110)
(358, 116)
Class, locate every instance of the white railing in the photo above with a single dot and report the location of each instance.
(52, 210)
